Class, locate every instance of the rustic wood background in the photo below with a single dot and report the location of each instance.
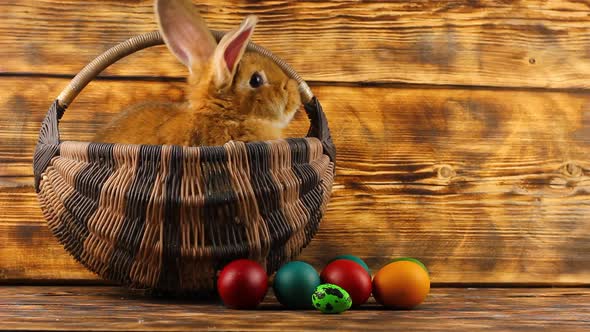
(462, 127)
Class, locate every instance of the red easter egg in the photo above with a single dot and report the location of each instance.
(242, 284)
(351, 276)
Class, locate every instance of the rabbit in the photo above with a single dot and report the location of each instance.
(232, 94)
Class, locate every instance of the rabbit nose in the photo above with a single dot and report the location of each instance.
(284, 85)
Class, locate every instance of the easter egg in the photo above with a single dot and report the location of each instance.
(295, 283)
(354, 259)
(242, 284)
(401, 284)
(331, 299)
(351, 276)
(410, 259)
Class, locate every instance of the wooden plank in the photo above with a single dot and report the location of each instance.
(30, 253)
(112, 309)
(459, 242)
(530, 43)
(376, 129)
(483, 185)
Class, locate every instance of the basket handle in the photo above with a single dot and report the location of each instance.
(154, 38)
(49, 138)
(318, 121)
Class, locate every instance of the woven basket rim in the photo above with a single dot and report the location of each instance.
(187, 147)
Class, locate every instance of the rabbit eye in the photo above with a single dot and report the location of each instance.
(256, 80)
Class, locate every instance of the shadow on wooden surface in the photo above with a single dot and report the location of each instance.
(113, 309)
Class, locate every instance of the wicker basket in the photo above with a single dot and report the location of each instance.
(169, 217)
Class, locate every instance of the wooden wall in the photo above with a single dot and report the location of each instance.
(462, 127)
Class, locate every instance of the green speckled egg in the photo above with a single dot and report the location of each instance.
(331, 299)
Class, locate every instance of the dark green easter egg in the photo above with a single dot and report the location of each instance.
(331, 299)
(355, 259)
(410, 259)
(295, 283)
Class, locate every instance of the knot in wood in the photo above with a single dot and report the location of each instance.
(446, 172)
(571, 169)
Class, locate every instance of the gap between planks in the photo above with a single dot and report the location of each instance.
(312, 83)
(434, 285)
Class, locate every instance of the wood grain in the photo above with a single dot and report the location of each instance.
(531, 43)
(451, 149)
(459, 244)
(113, 309)
(483, 185)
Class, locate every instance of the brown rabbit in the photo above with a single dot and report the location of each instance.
(231, 94)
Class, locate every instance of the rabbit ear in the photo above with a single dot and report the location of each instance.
(184, 32)
(230, 50)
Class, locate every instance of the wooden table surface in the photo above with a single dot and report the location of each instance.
(108, 308)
